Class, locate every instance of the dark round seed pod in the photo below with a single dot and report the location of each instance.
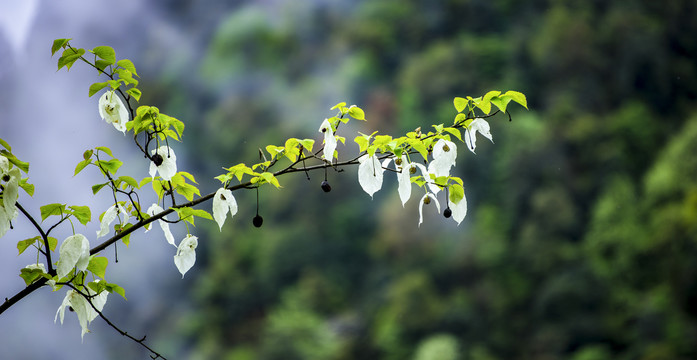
(398, 161)
(325, 186)
(257, 221)
(412, 170)
(447, 213)
(157, 159)
(6, 177)
(446, 148)
(427, 200)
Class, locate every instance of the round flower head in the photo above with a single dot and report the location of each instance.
(113, 111)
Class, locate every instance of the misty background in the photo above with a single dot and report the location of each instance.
(580, 239)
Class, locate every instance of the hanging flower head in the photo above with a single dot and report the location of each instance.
(370, 173)
(109, 216)
(477, 125)
(186, 254)
(74, 252)
(163, 162)
(113, 111)
(9, 178)
(329, 140)
(82, 307)
(223, 201)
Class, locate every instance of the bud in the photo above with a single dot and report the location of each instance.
(427, 200)
(257, 221)
(325, 186)
(398, 161)
(157, 159)
(446, 148)
(412, 170)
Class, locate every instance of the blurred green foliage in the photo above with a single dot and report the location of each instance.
(582, 236)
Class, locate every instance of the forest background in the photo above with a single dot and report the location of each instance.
(582, 236)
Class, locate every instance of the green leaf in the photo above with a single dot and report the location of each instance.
(485, 106)
(24, 166)
(5, 145)
(81, 165)
(98, 265)
(52, 243)
(27, 187)
(113, 288)
(517, 97)
(104, 149)
(94, 88)
(30, 275)
(130, 181)
(307, 144)
(112, 166)
(187, 191)
(356, 113)
(128, 65)
(271, 179)
(146, 180)
(106, 53)
(460, 104)
(96, 188)
(69, 57)
(455, 132)
(501, 103)
(52, 209)
(24, 244)
(202, 214)
(339, 105)
(101, 64)
(419, 146)
(82, 213)
(457, 193)
(136, 95)
(58, 44)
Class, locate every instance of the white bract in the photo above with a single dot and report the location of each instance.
(444, 155)
(329, 140)
(223, 201)
(109, 217)
(168, 167)
(113, 111)
(10, 194)
(404, 180)
(459, 210)
(370, 173)
(421, 206)
(156, 209)
(84, 311)
(477, 125)
(186, 254)
(74, 252)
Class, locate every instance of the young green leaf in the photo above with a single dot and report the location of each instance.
(58, 44)
(24, 244)
(128, 65)
(97, 265)
(106, 53)
(81, 165)
(51, 209)
(460, 104)
(81, 213)
(94, 88)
